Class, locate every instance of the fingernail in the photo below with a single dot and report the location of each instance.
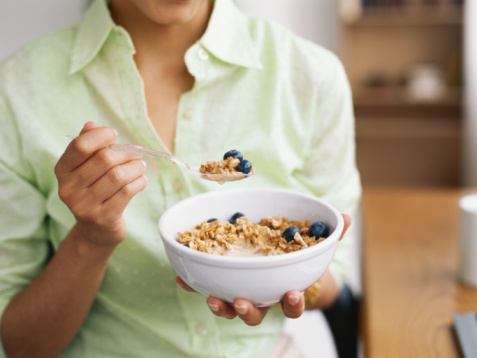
(214, 307)
(144, 163)
(241, 308)
(293, 299)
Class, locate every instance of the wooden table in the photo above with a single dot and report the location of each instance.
(409, 264)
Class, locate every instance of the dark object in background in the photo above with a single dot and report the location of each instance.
(342, 318)
(403, 3)
(377, 80)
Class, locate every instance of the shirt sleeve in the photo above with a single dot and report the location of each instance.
(330, 170)
(24, 247)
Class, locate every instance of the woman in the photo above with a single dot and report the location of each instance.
(82, 272)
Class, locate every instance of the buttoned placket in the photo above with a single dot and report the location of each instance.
(188, 126)
(172, 179)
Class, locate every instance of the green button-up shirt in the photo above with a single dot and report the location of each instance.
(283, 101)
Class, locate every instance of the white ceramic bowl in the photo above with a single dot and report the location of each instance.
(260, 279)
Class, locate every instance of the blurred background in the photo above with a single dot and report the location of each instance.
(412, 65)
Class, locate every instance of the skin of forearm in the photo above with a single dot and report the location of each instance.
(45, 316)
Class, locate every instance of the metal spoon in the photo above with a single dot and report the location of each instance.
(137, 149)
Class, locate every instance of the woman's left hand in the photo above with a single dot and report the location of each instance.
(293, 303)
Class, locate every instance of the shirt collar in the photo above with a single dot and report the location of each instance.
(227, 36)
(91, 35)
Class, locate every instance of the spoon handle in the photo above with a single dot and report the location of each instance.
(131, 148)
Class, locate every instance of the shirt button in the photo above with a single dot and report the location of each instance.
(187, 113)
(201, 329)
(203, 55)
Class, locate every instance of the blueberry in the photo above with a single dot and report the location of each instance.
(235, 216)
(244, 166)
(234, 154)
(289, 233)
(318, 229)
(211, 220)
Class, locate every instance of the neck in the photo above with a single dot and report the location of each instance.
(164, 44)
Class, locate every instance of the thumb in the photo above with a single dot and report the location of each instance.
(88, 126)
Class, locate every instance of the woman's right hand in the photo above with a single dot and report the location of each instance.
(97, 183)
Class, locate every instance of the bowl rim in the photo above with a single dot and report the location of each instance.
(254, 260)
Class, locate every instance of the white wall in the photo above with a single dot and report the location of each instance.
(316, 20)
(23, 20)
(470, 127)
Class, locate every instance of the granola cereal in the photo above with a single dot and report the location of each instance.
(226, 166)
(233, 163)
(240, 236)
